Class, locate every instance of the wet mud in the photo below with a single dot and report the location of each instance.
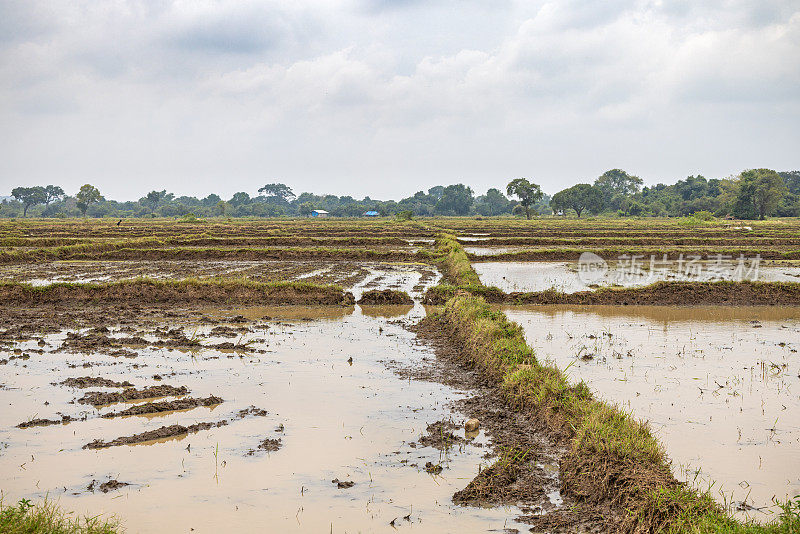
(151, 435)
(101, 398)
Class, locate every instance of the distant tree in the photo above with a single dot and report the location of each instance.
(306, 208)
(239, 199)
(29, 196)
(87, 196)
(618, 182)
(759, 192)
(617, 185)
(496, 202)
(579, 197)
(527, 192)
(222, 207)
(155, 197)
(280, 192)
(456, 199)
(436, 191)
(792, 181)
(51, 193)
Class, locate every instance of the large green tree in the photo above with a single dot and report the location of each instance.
(154, 198)
(279, 192)
(616, 186)
(29, 196)
(87, 196)
(51, 193)
(579, 197)
(455, 199)
(527, 192)
(494, 202)
(759, 191)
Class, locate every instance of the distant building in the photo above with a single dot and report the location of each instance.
(371, 214)
(319, 213)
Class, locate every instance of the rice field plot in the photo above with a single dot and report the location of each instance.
(286, 419)
(719, 387)
(565, 277)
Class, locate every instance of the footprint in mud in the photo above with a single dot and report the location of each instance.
(439, 435)
(268, 445)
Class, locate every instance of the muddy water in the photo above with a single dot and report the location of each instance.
(340, 420)
(563, 276)
(720, 386)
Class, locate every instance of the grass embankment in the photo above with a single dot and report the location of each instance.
(204, 240)
(48, 518)
(122, 251)
(612, 458)
(144, 291)
(665, 293)
(217, 227)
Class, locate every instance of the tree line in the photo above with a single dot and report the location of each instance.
(753, 194)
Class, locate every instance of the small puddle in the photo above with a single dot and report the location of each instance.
(720, 386)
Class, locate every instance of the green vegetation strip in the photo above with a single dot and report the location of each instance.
(122, 251)
(612, 457)
(143, 291)
(47, 518)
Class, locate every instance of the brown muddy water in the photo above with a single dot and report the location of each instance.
(331, 399)
(564, 276)
(720, 386)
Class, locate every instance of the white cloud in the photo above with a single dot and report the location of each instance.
(222, 95)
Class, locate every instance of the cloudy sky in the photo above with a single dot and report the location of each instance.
(387, 97)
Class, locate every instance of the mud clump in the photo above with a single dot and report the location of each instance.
(433, 469)
(386, 296)
(440, 436)
(84, 382)
(45, 422)
(227, 331)
(511, 479)
(269, 445)
(99, 398)
(166, 406)
(105, 487)
(159, 433)
(252, 411)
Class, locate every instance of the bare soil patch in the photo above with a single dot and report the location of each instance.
(100, 398)
(166, 406)
(385, 296)
(84, 382)
(159, 433)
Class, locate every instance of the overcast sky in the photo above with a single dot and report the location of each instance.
(385, 98)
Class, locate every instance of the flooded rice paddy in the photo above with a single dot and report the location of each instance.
(306, 428)
(412, 278)
(720, 386)
(564, 276)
